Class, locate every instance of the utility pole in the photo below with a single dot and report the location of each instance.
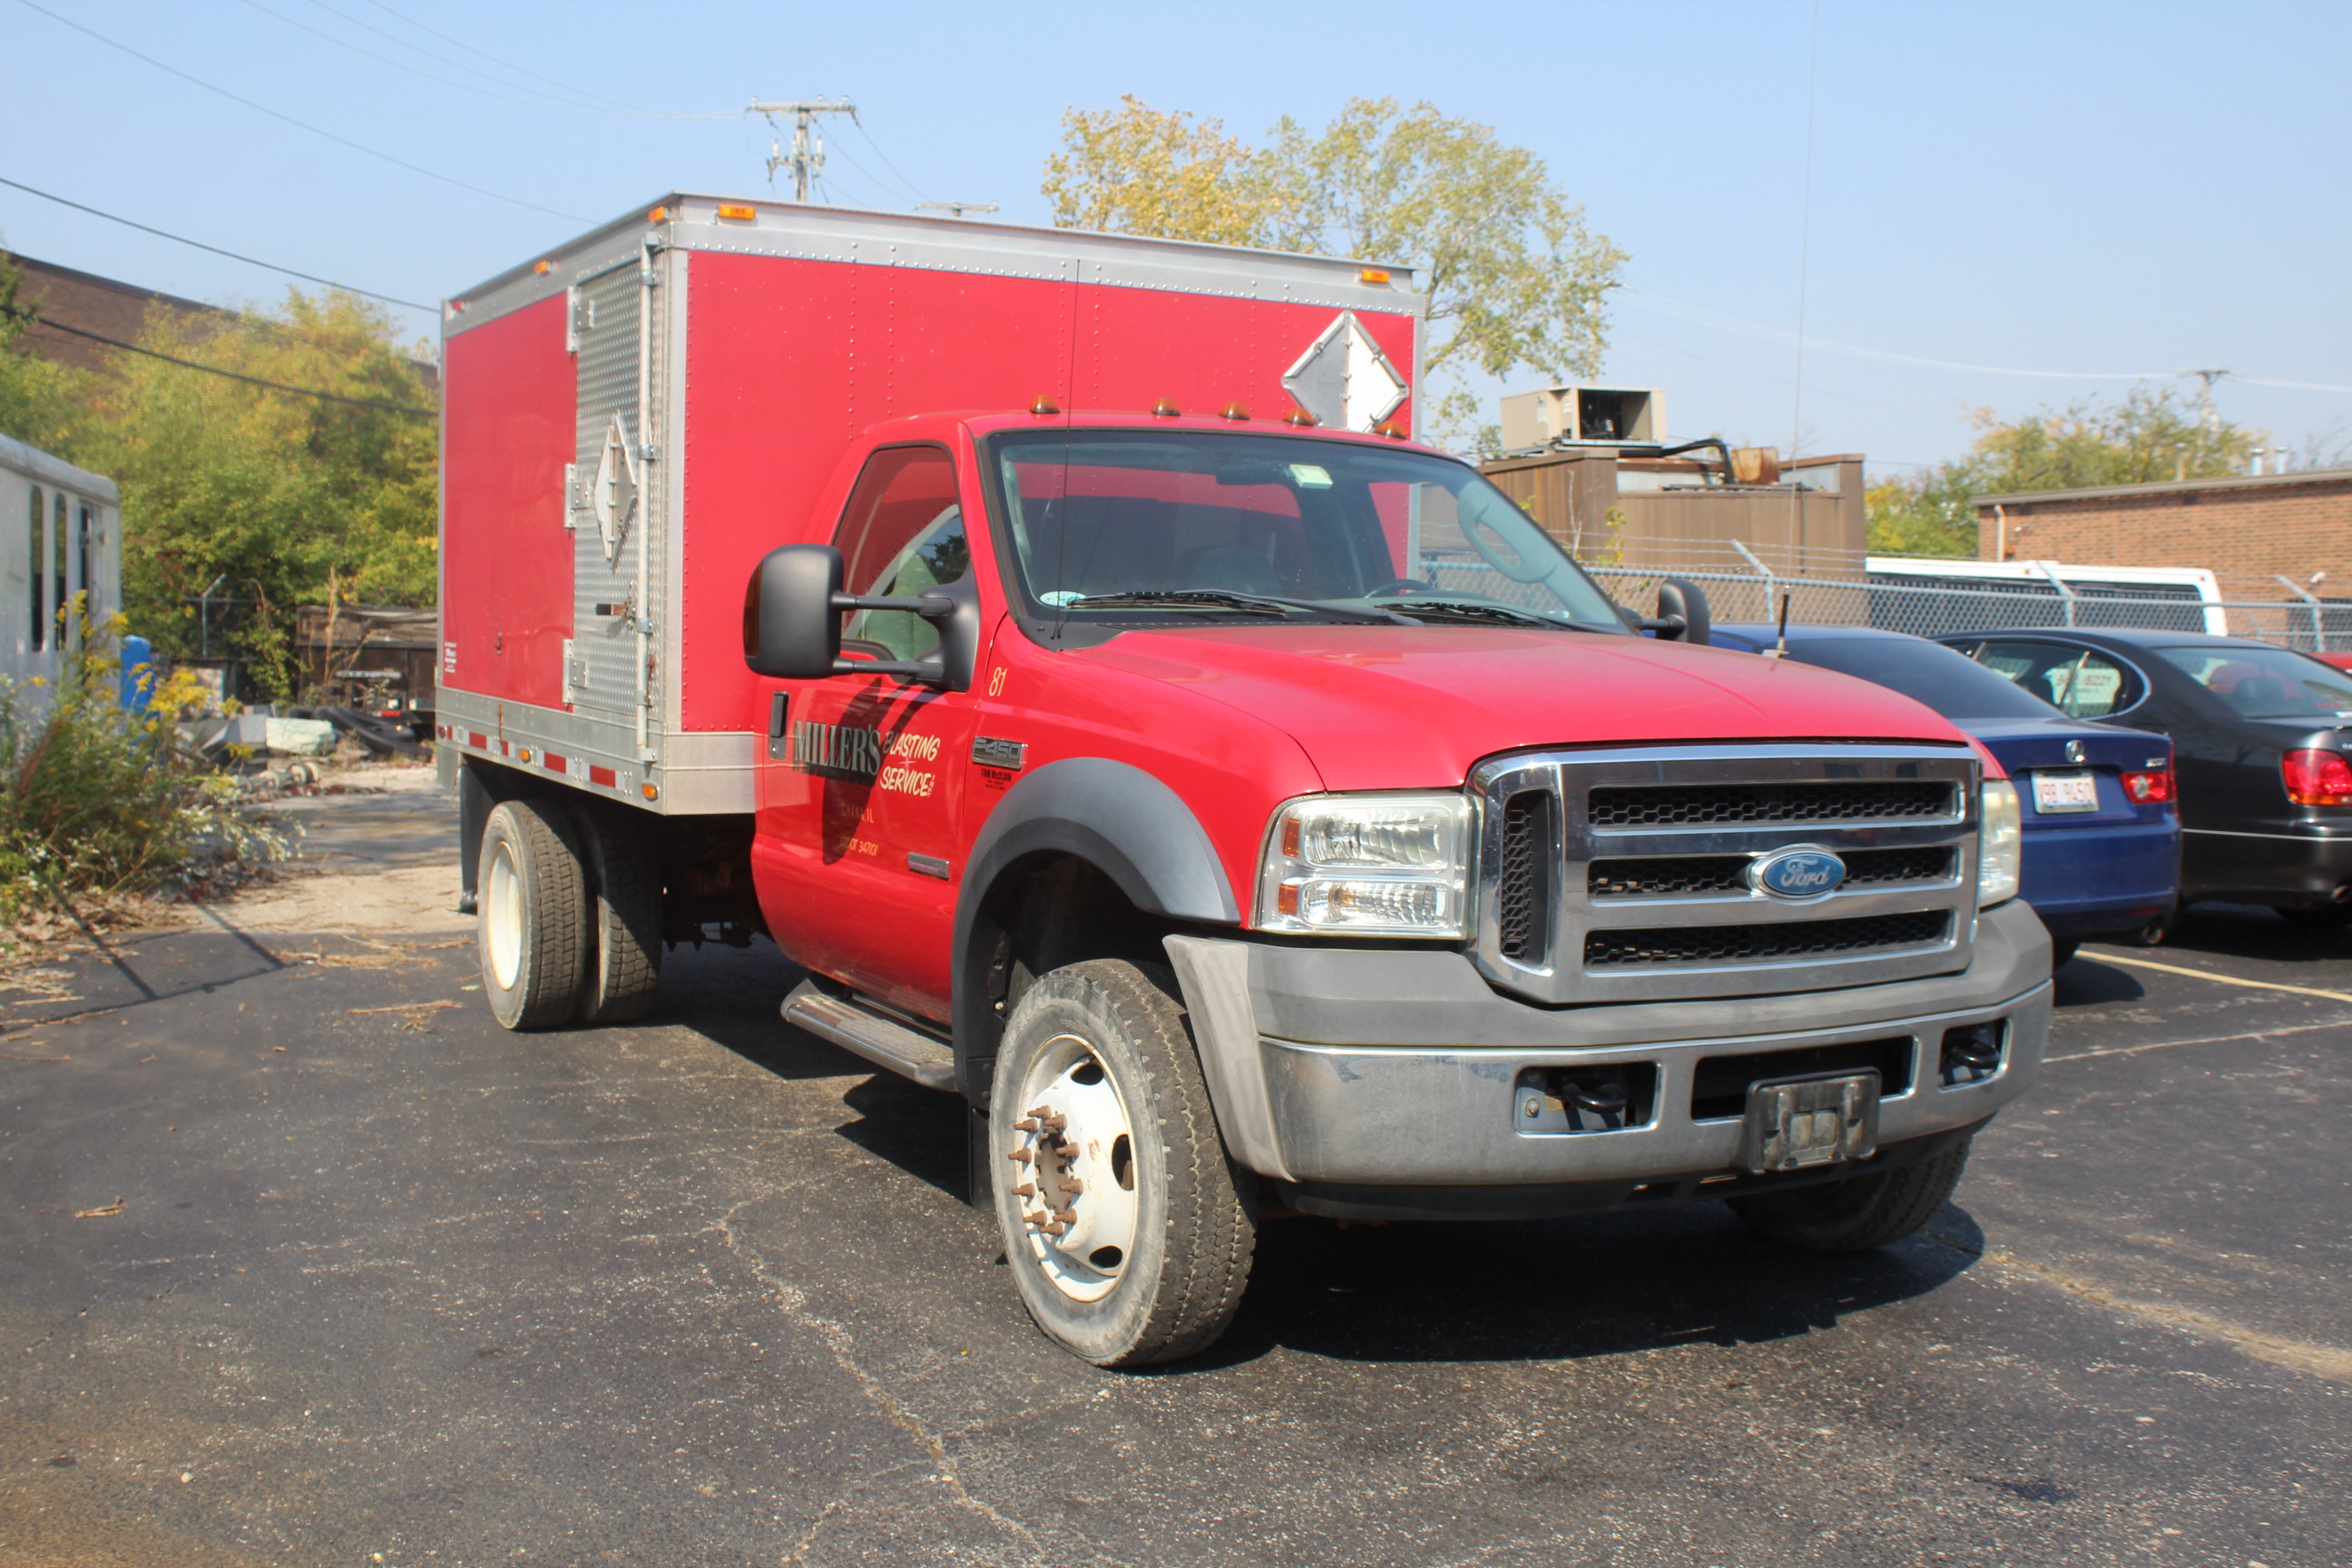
(806, 159)
(955, 209)
(2208, 424)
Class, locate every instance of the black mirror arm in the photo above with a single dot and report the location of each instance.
(938, 606)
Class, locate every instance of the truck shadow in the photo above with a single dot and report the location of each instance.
(1565, 1290)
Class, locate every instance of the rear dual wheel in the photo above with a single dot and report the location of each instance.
(1128, 1231)
(570, 906)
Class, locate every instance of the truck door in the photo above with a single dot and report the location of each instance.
(857, 804)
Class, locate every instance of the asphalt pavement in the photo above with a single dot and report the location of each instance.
(303, 1261)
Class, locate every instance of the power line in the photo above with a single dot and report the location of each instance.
(860, 126)
(1778, 334)
(508, 65)
(34, 318)
(298, 124)
(540, 99)
(216, 250)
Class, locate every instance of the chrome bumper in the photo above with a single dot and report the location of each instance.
(1369, 1067)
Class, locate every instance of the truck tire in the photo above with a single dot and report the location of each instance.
(1128, 1230)
(1860, 1213)
(623, 905)
(533, 936)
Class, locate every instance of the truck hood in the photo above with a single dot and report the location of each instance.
(1385, 707)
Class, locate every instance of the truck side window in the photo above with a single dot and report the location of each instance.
(901, 533)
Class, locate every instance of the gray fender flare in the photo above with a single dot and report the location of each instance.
(1117, 818)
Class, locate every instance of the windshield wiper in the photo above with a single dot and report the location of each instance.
(1264, 603)
(1454, 609)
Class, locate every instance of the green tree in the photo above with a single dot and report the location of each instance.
(2151, 434)
(42, 403)
(1516, 279)
(290, 498)
(1134, 169)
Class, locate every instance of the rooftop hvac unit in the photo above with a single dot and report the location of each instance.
(1593, 414)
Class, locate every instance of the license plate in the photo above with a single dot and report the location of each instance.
(1824, 1120)
(2065, 792)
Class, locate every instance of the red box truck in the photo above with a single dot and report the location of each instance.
(1058, 645)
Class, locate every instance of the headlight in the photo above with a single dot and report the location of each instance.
(1375, 865)
(2001, 849)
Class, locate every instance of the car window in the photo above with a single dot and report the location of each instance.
(2080, 682)
(901, 533)
(2265, 682)
(1926, 672)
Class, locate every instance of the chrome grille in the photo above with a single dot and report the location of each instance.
(1729, 873)
(1698, 805)
(1523, 911)
(1631, 882)
(1760, 943)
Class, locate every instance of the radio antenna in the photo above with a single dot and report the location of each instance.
(1780, 648)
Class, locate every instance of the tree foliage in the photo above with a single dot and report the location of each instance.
(1516, 281)
(1133, 170)
(285, 498)
(2152, 434)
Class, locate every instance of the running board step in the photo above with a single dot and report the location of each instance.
(884, 1041)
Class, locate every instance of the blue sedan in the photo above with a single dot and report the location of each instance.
(2099, 804)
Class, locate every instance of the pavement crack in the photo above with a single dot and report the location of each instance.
(838, 1344)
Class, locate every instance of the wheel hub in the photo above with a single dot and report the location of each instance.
(1074, 1185)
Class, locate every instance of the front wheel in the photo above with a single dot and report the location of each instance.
(1128, 1231)
(1861, 1212)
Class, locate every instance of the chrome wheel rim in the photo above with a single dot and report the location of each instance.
(502, 917)
(1074, 1188)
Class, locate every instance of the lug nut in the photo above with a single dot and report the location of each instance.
(1022, 1156)
(1026, 1124)
(1025, 1190)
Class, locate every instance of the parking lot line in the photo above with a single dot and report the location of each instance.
(2200, 1040)
(2225, 979)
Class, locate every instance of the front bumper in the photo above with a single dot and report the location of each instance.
(1382, 1069)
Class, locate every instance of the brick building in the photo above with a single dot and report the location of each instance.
(112, 309)
(95, 304)
(2257, 527)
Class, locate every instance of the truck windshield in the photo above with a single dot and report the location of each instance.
(1114, 526)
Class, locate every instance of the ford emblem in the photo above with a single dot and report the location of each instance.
(1797, 873)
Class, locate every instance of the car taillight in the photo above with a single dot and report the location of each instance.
(2151, 787)
(2317, 778)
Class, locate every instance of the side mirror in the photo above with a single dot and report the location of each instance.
(1682, 613)
(792, 622)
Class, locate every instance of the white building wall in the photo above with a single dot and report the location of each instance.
(36, 539)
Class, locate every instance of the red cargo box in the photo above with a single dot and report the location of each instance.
(634, 420)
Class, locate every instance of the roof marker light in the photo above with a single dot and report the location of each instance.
(1300, 418)
(542, 266)
(659, 215)
(738, 210)
(1165, 409)
(1233, 411)
(1373, 275)
(1390, 428)
(1044, 405)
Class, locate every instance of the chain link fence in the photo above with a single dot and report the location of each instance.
(1749, 589)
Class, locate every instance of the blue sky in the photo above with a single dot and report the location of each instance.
(2080, 190)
